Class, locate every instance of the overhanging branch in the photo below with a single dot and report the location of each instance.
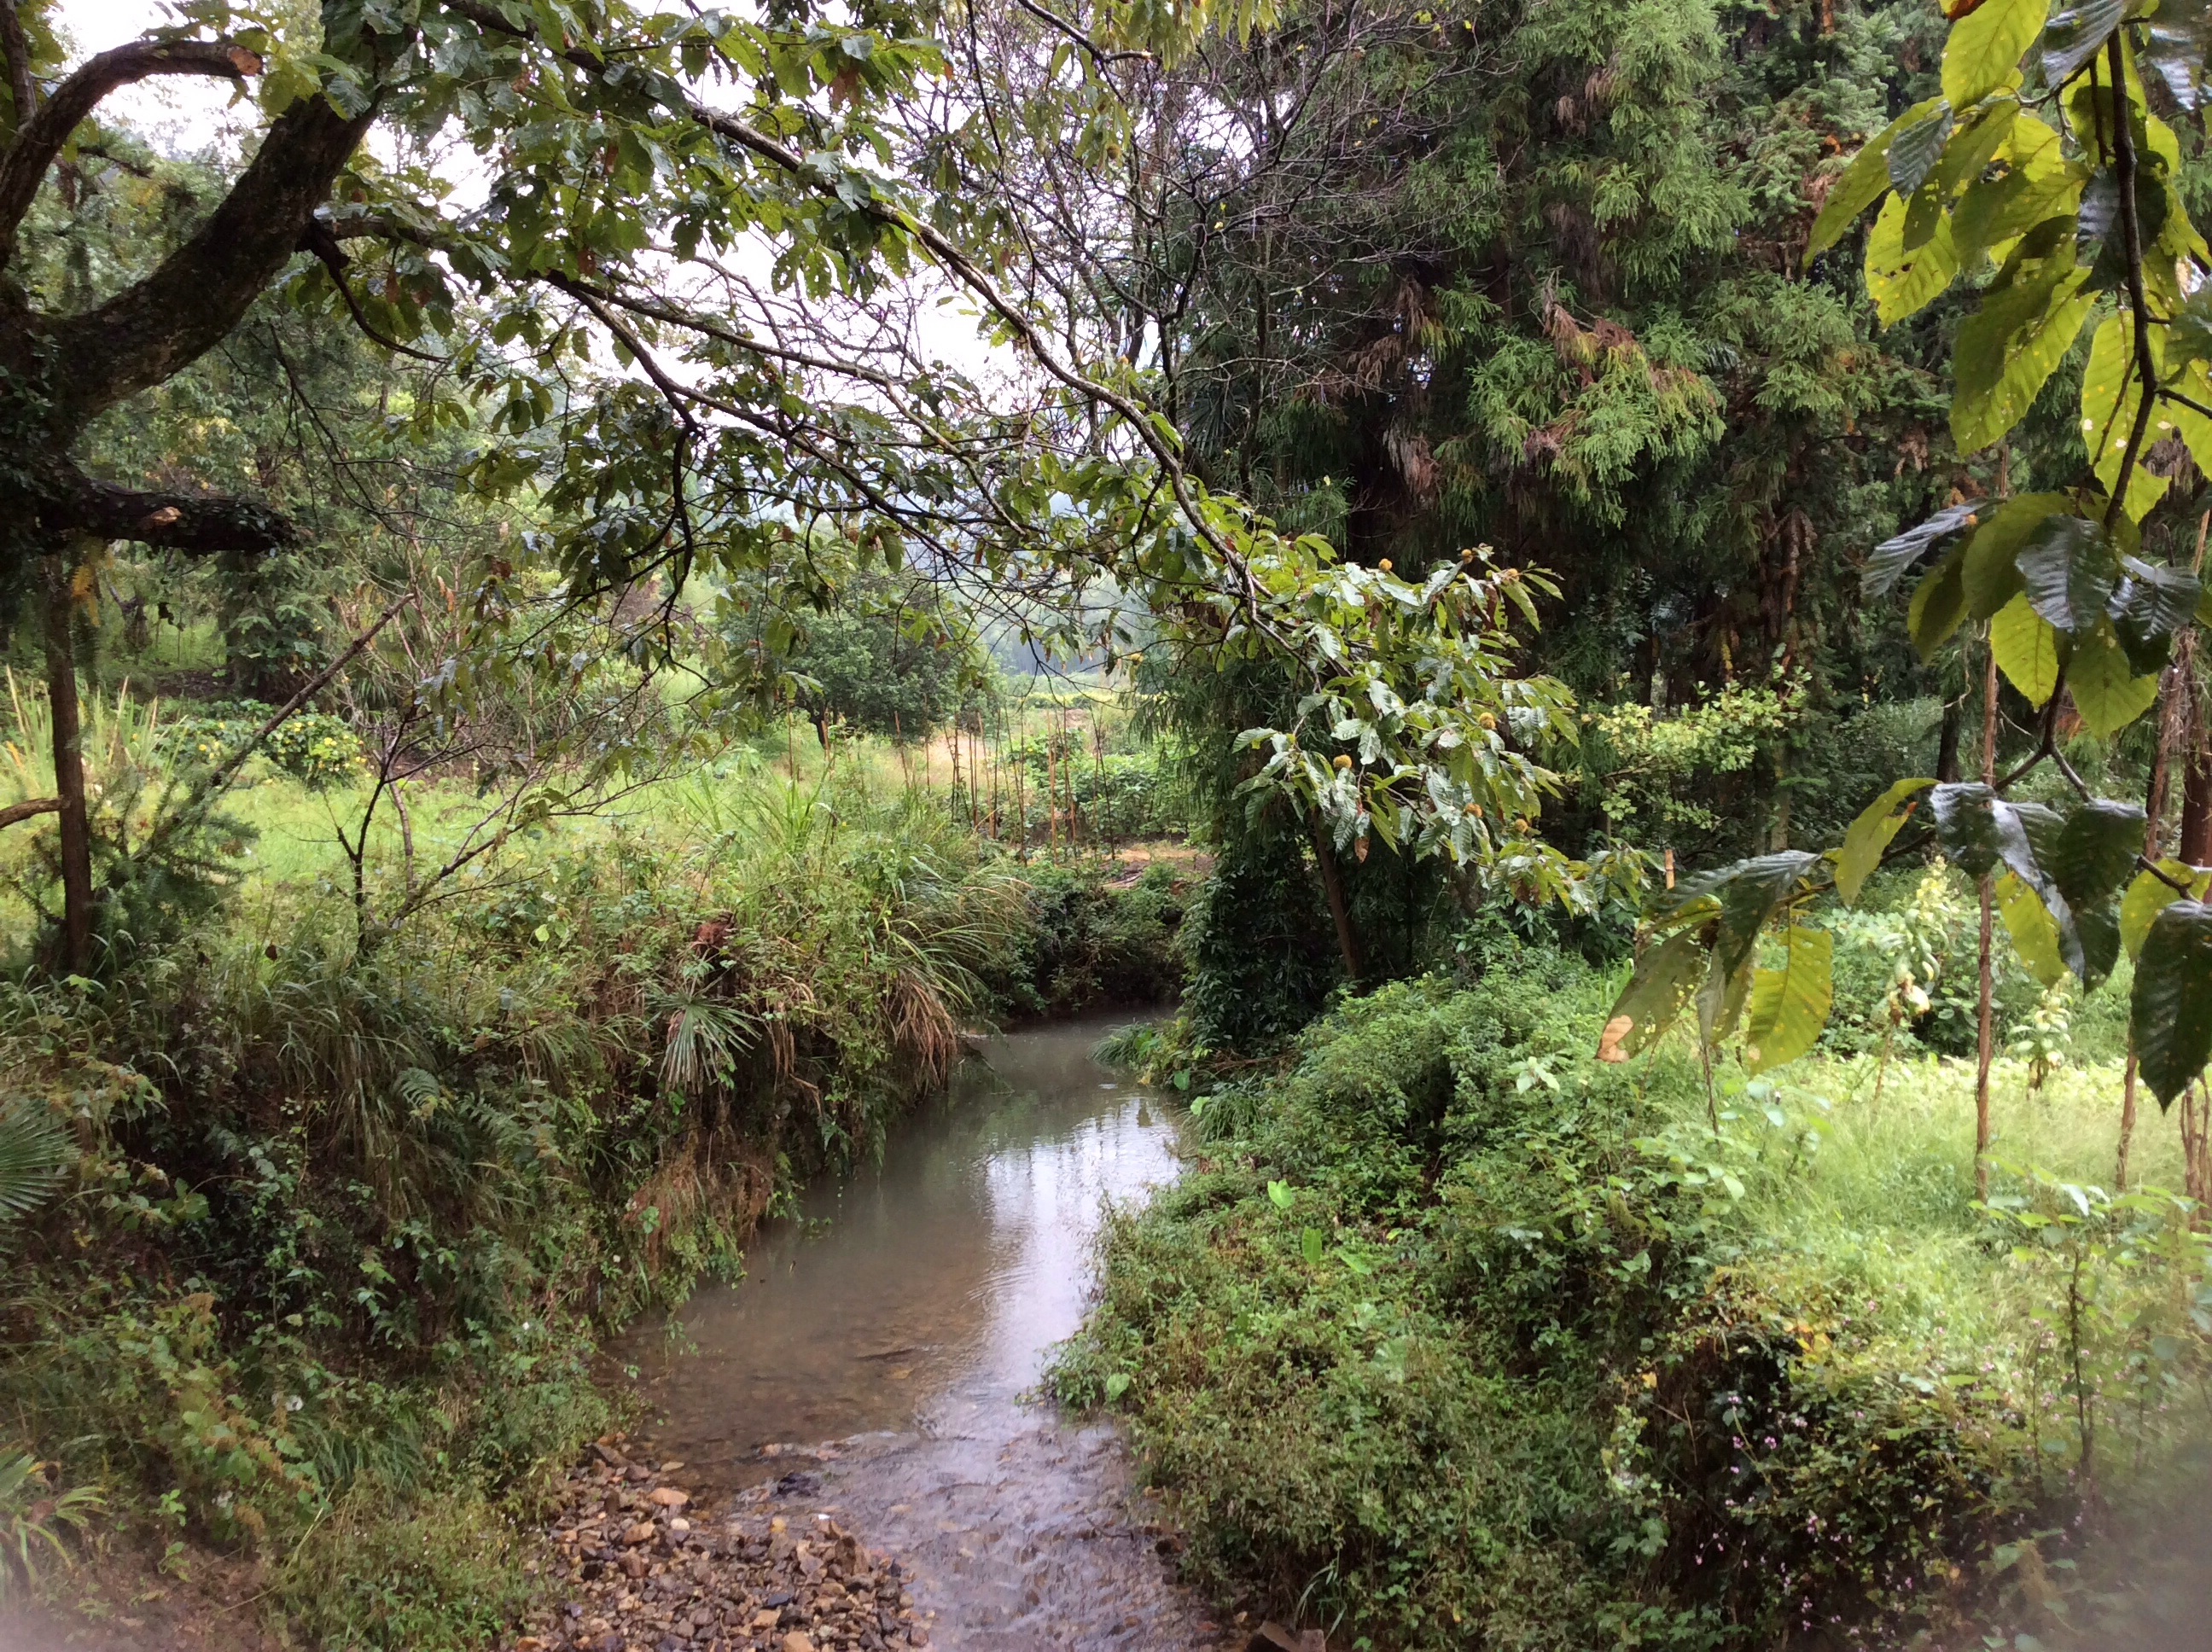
(39, 139)
(199, 524)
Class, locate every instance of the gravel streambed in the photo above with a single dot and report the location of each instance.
(638, 1567)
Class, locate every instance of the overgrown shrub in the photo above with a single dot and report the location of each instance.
(1456, 1336)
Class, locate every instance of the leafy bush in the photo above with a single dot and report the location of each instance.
(315, 748)
(1093, 938)
(1453, 1325)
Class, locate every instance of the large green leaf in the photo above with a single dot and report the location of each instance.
(2076, 35)
(1986, 47)
(1966, 824)
(2095, 850)
(2011, 345)
(1666, 975)
(1901, 283)
(1871, 835)
(1861, 183)
(2028, 648)
(1890, 559)
(2034, 932)
(1789, 1005)
(2106, 690)
(1938, 605)
(1992, 579)
(2152, 604)
(2178, 40)
(2151, 894)
(1918, 146)
(2069, 571)
(2171, 1010)
(2111, 394)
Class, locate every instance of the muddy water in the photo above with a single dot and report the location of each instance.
(876, 1362)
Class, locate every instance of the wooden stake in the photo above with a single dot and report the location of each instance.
(1985, 1026)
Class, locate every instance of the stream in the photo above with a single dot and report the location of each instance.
(877, 1363)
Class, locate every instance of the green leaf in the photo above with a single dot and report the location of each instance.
(1992, 579)
(2170, 1012)
(1966, 824)
(1938, 605)
(1790, 1006)
(1986, 47)
(2106, 690)
(1311, 1242)
(1871, 835)
(1902, 282)
(2150, 895)
(2095, 849)
(1666, 975)
(2076, 35)
(2034, 932)
(1918, 147)
(2069, 571)
(2179, 42)
(2027, 650)
(2010, 346)
(2110, 395)
(1861, 183)
(1280, 1196)
(1890, 560)
(2152, 604)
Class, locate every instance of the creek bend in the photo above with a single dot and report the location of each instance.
(877, 1362)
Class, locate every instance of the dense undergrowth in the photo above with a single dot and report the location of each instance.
(322, 1287)
(1454, 1337)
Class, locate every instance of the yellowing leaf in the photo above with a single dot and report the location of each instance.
(2026, 649)
(1901, 283)
(2010, 346)
(2106, 690)
(2150, 895)
(2034, 932)
(1986, 47)
(1789, 1005)
(1871, 833)
(2111, 395)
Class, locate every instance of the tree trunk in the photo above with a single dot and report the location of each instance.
(1332, 884)
(1986, 1005)
(76, 955)
(1946, 741)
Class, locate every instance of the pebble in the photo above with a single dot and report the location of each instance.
(639, 1575)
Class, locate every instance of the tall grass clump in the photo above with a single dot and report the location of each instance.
(318, 1239)
(1455, 1336)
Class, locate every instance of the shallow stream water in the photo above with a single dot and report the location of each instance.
(878, 1361)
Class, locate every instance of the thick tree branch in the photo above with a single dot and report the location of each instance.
(39, 139)
(16, 49)
(197, 524)
(146, 333)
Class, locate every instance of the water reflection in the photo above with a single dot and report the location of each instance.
(919, 1290)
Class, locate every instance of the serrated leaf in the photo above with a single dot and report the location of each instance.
(2008, 350)
(1918, 146)
(2070, 572)
(2106, 690)
(2029, 650)
(1902, 282)
(1870, 835)
(1986, 47)
(2034, 932)
(1667, 975)
(1889, 561)
(1990, 577)
(2150, 895)
(2095, 850)
(2076, 35)
(1790, 1006)
(1861, 183)
(1938, 605)
(2170, 1012)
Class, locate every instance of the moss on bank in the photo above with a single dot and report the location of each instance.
(1456, 1337)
